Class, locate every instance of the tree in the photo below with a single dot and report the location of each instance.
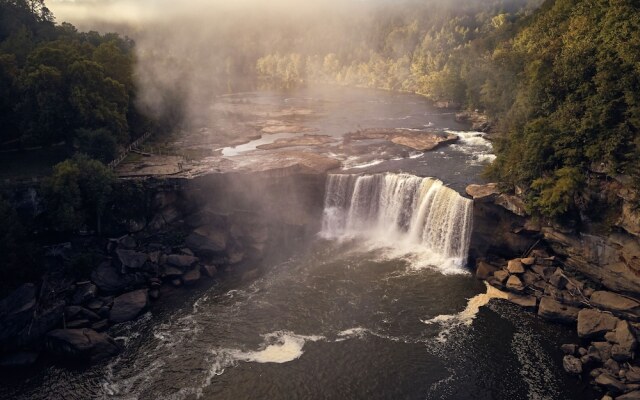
(99, 144)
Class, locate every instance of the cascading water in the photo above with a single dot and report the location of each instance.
(402, 211)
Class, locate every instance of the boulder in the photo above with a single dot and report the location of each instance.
(601, 351)
(128, 306)
(501, 275)
(633, 374)
(593, 323)
(527, 302)
(209, 270)
(512, 203)
(20, 359)
(569, 349)
(544, 272)
(181, 260)
(515, 267)
(609, 382)
(484, 270)
(552, 310)
(131, 259)
(612, 366)
(558, 279)
(127, 242)
(171, 272)
(109, 280)
(635, 395)
(514, 283)
(572, 365)
(85, 292)
(622, 306)
(483, 193)
(101, 325)
(624, 342)
(81, 344)
(77, 312)
(528, 261)
(191, 277)
(207, 241)
(16, 311)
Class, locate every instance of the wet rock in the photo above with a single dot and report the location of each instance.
(572, 365)
(109, 280)
(593, 323)
(601, 351)
(514, 283)
(501, 276)
(624, 342)
(552, 310)
(484, 270)
(81, 344)
(85, 291)
(207, 241)
(515, 267)
(558, 279)
(527, 302)
(127, 242)
(619, 305)
(610, 383)
(20, 359)
(77, 312)
(209, 270)
(191, 277)
(569, 349)
(635, 395)
(171, 272)
(128, 306)
(181, 261)
(131, 259)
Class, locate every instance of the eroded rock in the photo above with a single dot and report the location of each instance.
(593, 323)
(554, 311)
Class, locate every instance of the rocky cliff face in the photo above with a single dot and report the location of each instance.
(611, 260)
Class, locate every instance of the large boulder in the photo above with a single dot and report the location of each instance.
(131, 259)
(181, 260)
(109, 280)
(622, 306)
(483, 193)
(207, 241)
(484, 270)
(593, 323)
(624, 342)
(554, 311)
(128, 306)
(81, 344)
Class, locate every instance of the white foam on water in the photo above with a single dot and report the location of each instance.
(279, 347)
(466, 316)
(474, 144)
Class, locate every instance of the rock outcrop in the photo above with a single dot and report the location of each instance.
(81, 344)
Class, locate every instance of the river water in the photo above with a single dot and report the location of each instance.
(380, 305)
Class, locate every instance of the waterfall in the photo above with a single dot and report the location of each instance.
(399, 210)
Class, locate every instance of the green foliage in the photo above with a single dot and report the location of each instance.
(77, 194)
(554, 195)
(99, 144)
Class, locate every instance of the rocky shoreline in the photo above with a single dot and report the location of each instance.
(560, 289)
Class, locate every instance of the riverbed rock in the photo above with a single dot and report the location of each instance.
(609, 382)
(624, 342)
(181, 260)
(131, 258)
(514, 283)
(572, 365)
(593, 323)
(484, 270)
(501, 276)
(85, 292)
(128, 306)
(81, 344)
(569, 349)
(622, 306)
(515, 266)
(109, 280)
(207, 241)
(191, 277)
(209, 270)
(553, 310)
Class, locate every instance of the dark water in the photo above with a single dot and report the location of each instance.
(340, 320)
(342, 324)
